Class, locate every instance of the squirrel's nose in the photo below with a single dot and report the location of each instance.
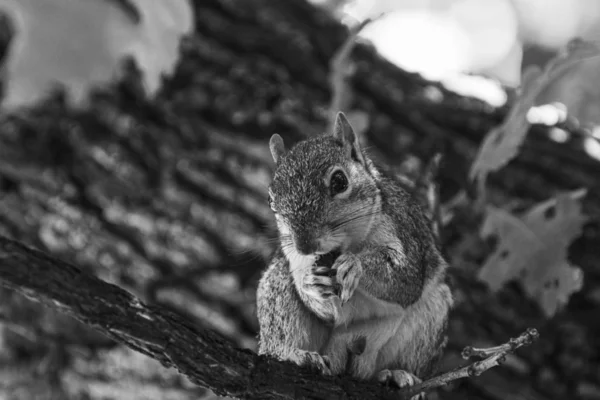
(306, 245)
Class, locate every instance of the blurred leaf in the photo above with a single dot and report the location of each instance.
(579, 90)
(502, 143)
(533, 250)
(81, 43)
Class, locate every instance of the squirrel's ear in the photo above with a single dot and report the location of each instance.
(277, 147)
(343, 131)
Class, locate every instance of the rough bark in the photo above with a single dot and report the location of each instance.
(167, 199)
(203, 356)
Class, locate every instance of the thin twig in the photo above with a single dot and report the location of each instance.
(427, 189)
(341, 70)
(495, 356)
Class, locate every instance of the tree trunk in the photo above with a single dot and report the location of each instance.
(166, 198)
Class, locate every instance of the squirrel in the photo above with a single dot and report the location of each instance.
(386, 292)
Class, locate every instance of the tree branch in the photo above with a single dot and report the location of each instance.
(201, 355)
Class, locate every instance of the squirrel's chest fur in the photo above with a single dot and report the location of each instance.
(396, 337)
(363, 306)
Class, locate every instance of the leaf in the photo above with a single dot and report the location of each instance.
(502, 143)
(81, 43)
(533, 250)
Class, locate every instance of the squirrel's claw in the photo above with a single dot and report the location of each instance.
(349, 272)
(323, 364)
(312, 359)
(319, 284)
(401, 379)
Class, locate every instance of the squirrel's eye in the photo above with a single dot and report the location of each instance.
(338, 183)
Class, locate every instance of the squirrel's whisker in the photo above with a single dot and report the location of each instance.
(348, 220)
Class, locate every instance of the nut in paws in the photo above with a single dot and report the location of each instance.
(319, 283)
(348, 273)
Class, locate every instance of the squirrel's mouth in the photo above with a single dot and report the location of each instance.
(327, 260)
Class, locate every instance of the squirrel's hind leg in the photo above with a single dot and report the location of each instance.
(376, 333)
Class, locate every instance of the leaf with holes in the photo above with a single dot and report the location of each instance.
(502, 143)
(81, 43)
(533, 250)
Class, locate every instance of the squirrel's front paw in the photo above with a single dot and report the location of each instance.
(349, 272)
(319, 283)
(311, 359)
(401, 379)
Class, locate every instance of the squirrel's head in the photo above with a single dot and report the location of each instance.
(324, 193)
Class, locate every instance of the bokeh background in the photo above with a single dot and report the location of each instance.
(157, 182)
(453, 40)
